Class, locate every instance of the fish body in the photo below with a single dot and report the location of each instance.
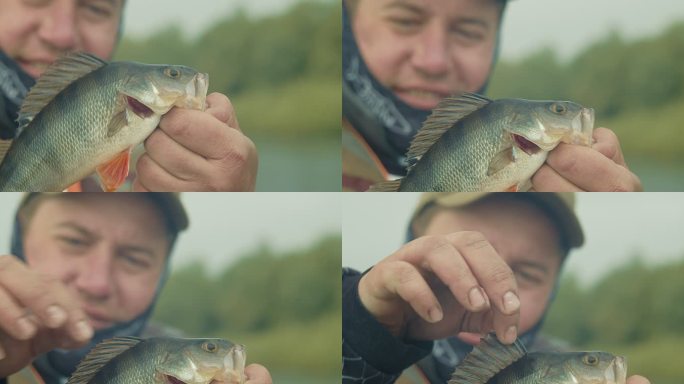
(470, 143)
(130, 360)
(494, 363)
(85, 115)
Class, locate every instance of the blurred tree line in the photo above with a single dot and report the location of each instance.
(631, 304)
(635, 311)
(636, 87)
(282, 72)
(267, 300)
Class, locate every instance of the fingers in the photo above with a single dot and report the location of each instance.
(497, 280)
(221, 108)
(30, 301)
(465, 265)
(404, 280)
(586, 169)
(257, 374)
(548, 180)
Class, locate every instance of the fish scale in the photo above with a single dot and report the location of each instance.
(470, 143)
(78, 119)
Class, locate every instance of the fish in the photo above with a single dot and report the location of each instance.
(131, 360)
(85, 115)
(492, 362)
(471, 143)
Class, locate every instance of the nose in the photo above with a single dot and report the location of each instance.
(59, 26)
(430, 56)
(95, 275)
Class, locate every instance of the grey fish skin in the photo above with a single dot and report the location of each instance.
(492, 362)
(489, 145)
(162, 360)
(75, 132)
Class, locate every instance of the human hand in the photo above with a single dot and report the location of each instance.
(37, 314)
(437, 286)
(257, 374)
(198, 151)
(577, 168)
(637, 380)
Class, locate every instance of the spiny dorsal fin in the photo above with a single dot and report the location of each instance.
(447, 113)
(4, 147)
(386, 186)
(58, 76)
(486, 360)
(101, 355)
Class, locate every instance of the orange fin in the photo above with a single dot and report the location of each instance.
(76, 187)
(512, 188)
(113, 173)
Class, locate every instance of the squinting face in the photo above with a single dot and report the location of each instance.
(36, 32)
(523, 236)
(425, 50)
(109, 250)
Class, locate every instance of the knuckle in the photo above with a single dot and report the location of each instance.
(501, 274)
(474, 240)
(433, 242)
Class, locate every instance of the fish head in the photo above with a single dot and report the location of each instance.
(161, 87)
(548, 123)
(596, 368)
(204, 361)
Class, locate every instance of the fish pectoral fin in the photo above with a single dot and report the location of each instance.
(76, 187)
(119, 118)
(113, 173)
(500, 161)
(386, 186)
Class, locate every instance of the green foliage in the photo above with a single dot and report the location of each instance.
(281, 72)
(632, 304)
(636, 87)
(268, 301)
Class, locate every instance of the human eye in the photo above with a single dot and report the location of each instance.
(525, 277)
(134, 261)
(468, 35)
(98, 9)
(73, 243)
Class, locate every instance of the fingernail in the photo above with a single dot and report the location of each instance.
(435, 314)
(55, 316)
(26, 328)
(476, 297)
(511, 334)
(82, 331)
(511, 303)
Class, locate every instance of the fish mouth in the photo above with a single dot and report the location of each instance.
(619, 370)
(196, 92)
(582, 128)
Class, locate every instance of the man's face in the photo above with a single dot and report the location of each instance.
(425, 50)
(523, 236)
(36, 32)
(109, 250)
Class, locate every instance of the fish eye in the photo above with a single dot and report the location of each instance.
(590, 359)
(209, 346)
(172, 73)
(558, 108)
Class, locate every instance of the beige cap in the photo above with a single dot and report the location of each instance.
(169, 203)
(559, 206)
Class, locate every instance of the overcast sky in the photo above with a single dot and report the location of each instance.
(567, 25)
(224, 226)
(616, 226)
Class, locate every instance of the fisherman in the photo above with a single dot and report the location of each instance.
(84, 268)
(216, 156)
(476, 262)
(401, 57)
